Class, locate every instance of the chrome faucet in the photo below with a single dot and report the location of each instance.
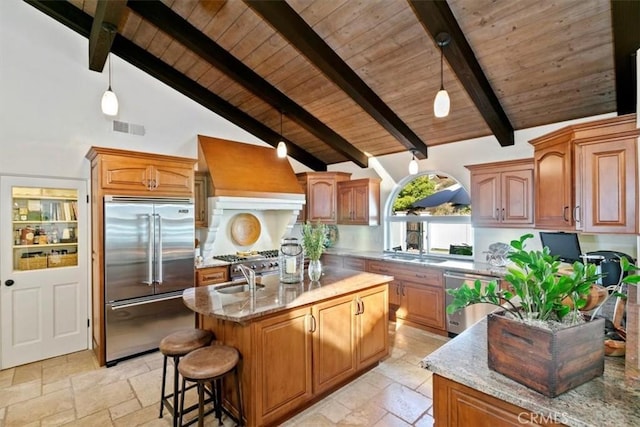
(249, 275)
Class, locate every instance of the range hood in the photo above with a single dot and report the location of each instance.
(247, 177)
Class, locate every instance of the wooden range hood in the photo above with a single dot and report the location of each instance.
(246, 170)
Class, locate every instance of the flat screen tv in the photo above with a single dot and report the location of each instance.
(563, 245)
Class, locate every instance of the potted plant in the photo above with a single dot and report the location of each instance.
(539, 337)
(313, 238)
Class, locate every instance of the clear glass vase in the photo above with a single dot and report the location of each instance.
(314, 270)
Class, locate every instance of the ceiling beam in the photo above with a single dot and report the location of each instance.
(72, 17)
(193, 39)
(301, 36)
(625, 16)
(108, 15)
(436, 17)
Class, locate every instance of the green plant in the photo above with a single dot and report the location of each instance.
(313, 238)
(539, 292)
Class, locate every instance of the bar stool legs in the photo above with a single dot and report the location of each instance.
(177, 345)
(210, 365)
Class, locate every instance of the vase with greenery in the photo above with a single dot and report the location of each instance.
(313, 238)
(539, 337)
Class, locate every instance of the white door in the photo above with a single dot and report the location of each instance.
(43, 268)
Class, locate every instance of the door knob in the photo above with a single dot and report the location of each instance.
(9, 282)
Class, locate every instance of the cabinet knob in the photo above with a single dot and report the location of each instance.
(9, 282)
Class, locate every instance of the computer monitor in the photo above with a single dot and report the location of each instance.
(563, 245)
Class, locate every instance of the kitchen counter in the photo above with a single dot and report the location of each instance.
(603, 401)
(273, 296)
(211, 262)
(427, 261)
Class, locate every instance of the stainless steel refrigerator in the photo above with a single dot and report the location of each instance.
(149, 261)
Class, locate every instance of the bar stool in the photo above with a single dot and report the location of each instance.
(210, 365)
(177, 345)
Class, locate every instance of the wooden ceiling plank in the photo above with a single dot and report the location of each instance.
(187, 35)
(299, 34)
(436, 17)
(108, 14)
(80, 22)
(626, 39)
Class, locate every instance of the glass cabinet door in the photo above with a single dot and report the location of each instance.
(45, 223)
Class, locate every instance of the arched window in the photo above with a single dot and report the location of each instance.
(429, 214)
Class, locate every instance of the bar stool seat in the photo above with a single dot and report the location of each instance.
(177, 345)
(209, 365)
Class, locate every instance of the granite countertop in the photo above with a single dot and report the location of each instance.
(603, 401)
(274, 296)
(211, 262)
(461, 265)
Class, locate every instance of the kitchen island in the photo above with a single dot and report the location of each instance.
(298, 341)
(466, 390)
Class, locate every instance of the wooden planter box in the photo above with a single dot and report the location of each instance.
(549, 362)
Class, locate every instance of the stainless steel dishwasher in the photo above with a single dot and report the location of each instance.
(462, 319)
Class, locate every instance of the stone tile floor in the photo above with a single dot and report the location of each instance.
(72, 390)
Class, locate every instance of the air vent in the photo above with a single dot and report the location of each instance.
(125, 127)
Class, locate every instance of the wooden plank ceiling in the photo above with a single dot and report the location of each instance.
(358, 78)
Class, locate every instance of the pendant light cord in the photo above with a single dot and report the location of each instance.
(109, 71)
(441, 69)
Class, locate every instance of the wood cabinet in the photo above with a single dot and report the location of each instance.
(283, 381)
(200, 196)
(126, 173)
(146, 174)
(344, 261)
(295, 357)
(457, 405)
(351, 335)
(586, 177)
(210, 276)
(321, 195)
(607, 188)
(502, 194)
(359, 202)
(416, 295)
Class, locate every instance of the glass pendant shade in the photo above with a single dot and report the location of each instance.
(413, 166)
(441, 104)
(281, 150)
(109, 103)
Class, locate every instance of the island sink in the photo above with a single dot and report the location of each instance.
(237, 288)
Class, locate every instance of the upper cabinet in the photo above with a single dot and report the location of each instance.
(321, 194)
(359, 201)
(140, 173)
(586, 177)
(200, 195)
(502, 194)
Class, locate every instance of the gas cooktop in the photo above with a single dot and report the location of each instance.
(262, 262)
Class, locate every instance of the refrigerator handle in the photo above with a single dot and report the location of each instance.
(159, 277)
(150, 252)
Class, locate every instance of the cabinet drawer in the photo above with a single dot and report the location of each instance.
(210, 276)
(418, 274)
(354, 263)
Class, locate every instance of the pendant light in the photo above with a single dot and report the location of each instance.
(282, 147)
(109, 102)
(413, 164)
(442, 103)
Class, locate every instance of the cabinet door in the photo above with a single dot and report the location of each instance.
(485, 191)
(372, 326)
(334, 342)
(330, 260)
(609, 187)
(395, 293)
(554, 186)
(120, 173)
(354, 263)
(345, 205)
(422, 304)
(517, 197)
(167, 178)
(283, 365)
(200, 193)
(321, 203)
